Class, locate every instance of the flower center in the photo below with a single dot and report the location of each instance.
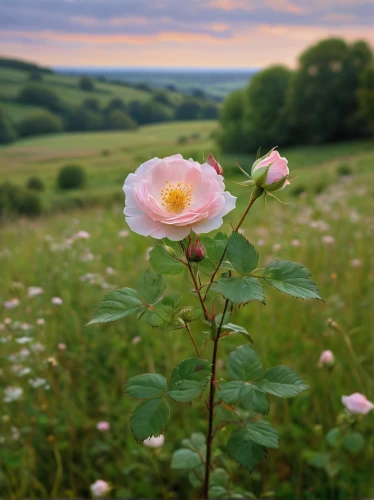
(176, 197)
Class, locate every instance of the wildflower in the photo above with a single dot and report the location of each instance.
(328, 240)
(296, 243)
(136, 339)
(123, 234)
(12, 394)
(355, 263)
(57, 301)
(61, 346)
(81, 235)
(357, 403)
(154, 442)
(326, 359)
(12, 303)
(103, 426)
(167, 198)
(33, 291)
(40, 321)
(99, 488)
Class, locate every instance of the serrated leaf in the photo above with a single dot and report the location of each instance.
(215, 247)
(291, 278)
(163, 262)
(281, 381)
(243, 363)
(226, 318)
(353, 442)
(242, 254)
(197, 442)
(117, 304)
(219, 477)
(150, 286)
(243, 450)
(240, 290)
(319, 460)
(263, 434)
(146, 385)
(149, 419)
(188, 379)
(164, 314)
(185, 459)
(247, 395)
(238, 329)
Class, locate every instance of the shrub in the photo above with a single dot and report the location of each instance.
(40, 122)
(86, 83)
(210, 112)
(17, 200)
(182, 139)
(320, 187)
(162, 97)
(189, 109)
(114, 104)
(119, 120)
(35, 76)
(35, 183)
(7, 131)
(71, 177)
(91, 104)
(344, 170)
(39, 94)
(82, 118)
(297, 190)
(105, 152)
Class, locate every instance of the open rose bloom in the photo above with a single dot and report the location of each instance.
(169, 197)
(271, 172)
(357, 403)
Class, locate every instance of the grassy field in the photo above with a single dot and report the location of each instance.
(50, 445)
(67, 87)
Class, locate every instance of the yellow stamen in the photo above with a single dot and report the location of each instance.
(176, 197)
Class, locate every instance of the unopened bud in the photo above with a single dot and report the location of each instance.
(187, 314)
(170, 251)
(214, 163)
(196, 252)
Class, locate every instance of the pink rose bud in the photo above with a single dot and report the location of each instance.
(103, 426)
(214, 163)
(326, 359)
(271, 172)
(357, 403)
(61, 346)
(99, 488)
(196, 252)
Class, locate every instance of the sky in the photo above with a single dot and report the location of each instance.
(176, 33)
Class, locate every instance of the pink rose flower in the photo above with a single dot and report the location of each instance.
(357, 403)
(169, 197)
(271, 172)
(99, 488)
(326, 359)
(103, 426)
(154, 442)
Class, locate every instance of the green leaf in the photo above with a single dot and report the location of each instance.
(149, 419)
(353, 442)
(188, 379)
(333, 468)
(237, 329)
(145, 386)
(333, 437)
(218, 492)
(163, 262)
(247, 395)
(165, 313)
(242, 254)
(219, 477)
(243, 363)
(150, 286)
(319, 460)
(281, 381)
(214, 250)
(240, 290)
(218, 318)
(243, 450)
(291, 278)
(197, 442)
(263, 434)
(185, 459)
(117, 304)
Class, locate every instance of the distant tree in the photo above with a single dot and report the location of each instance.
(189, 109)
(83, 119)
(230, 136)
(171, 87)
(198, 94)
(35, 183)
(149, 112)
(365, 95)
(92, 104)
(8, 133)
(86, 83)
(36, 76)
(71, 177)
(6, 62)
(116, 103)
(265, 120)
(38, 94)
(119, 120)
(162, 97)
(323, 103)
(39, 123)
(210, 112)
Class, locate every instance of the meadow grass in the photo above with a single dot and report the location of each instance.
(50, 445)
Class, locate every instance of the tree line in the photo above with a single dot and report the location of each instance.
(329, 97)
(90, 115)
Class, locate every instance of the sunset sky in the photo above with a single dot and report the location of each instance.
(176, 33)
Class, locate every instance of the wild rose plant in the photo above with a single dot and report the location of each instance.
(178, 201)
